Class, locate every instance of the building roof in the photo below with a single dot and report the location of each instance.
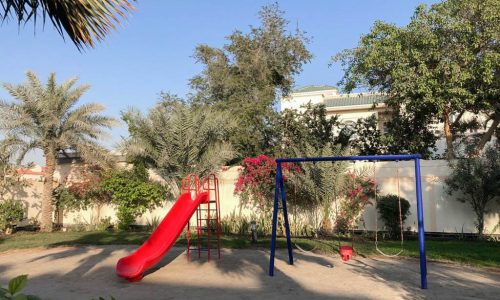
(353, 100)
(314, 88)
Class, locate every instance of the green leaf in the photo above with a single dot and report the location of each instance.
(33, 297)
(17, 284)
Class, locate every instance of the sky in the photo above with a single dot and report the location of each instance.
(152, 51)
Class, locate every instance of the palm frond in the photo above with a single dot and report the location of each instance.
(179, 139)
(84, 21)
(40, 116)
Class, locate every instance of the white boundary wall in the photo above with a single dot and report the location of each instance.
(442, 213)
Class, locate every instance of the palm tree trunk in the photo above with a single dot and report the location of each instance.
(48, 189)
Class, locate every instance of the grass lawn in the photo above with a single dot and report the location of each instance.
(476, 253)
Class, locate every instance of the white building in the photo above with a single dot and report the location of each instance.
(348, 107)
(351, 107)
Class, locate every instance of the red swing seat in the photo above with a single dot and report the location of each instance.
(346, 252)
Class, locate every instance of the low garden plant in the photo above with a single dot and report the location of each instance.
(388, 209)
(11, 212)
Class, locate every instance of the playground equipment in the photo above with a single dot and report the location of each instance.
(193, 199)
(207, 215)
(279, 192)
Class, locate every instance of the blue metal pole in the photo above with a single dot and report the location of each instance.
(354, 157)
(285, 216)
(275, 219)
(421, 231)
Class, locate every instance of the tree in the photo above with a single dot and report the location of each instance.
(246, 76)
(321, 184)
(367, 138)
(84, 21)
(403, 134)
(45, 118)
(441, 66)
(308, 127)
(478, 178)
(178, 138)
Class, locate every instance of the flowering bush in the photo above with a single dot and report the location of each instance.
(82, 193)
(358, 192)
(255, 185)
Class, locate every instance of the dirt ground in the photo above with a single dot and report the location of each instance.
(88, 272)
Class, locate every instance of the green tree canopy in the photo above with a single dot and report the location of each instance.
(246, 76)
(45, 117)
(439, 67)
(402, 134)
(308, 127)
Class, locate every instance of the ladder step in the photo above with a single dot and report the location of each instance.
(201, 249)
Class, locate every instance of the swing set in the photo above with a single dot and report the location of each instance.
(346, 251)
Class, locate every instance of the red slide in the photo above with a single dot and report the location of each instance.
(132, 267)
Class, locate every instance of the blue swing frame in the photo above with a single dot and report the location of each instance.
(279, 190)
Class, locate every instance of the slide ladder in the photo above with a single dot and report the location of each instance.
(207, 227)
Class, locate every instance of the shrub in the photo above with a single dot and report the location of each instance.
(388, 209)
(256, 180)
(133, 194)
(478, 180)
(235, 224)
(11, 211)
(357, 190)
(83, 193)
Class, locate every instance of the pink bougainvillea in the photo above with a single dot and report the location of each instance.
(359, 191)
(257, 179)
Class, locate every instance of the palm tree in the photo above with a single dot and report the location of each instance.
(45, 117)
(84, 21)
(178, 139)
(321, 183)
